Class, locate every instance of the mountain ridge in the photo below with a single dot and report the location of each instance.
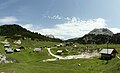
(103, 31)
(17, 31)
(98, 36)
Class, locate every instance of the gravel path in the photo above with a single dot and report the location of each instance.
(85, 55)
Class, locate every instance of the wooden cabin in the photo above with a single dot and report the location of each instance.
(6, 45)
(8, 50)
(59, 52)
(108, 53)
(17, 50)
(37, 50)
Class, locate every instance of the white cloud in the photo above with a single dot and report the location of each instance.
(58, 17)
(74, 28)
(8, 20)
(55, 17)
(115, 30)
(27, 26)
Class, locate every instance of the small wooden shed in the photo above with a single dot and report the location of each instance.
(37, 50)
(8, 50)
(6, 45)
(59, 52)
(59, 45)
(17, 50)
(108, 53)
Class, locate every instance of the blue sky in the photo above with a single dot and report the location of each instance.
(62, 18)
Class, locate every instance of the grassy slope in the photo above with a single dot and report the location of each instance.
(67, 66)
(29, 62)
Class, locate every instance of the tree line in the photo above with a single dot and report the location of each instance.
(97, 39)
(15, 31)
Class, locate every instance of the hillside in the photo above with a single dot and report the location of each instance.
(27, 61)
(31, 62)
(98, 36)
(15, 31)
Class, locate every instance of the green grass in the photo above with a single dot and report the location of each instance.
(64, 66)
(29, 62)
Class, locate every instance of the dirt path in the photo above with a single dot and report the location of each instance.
(85, 55)
(118, 57)
(56, 56)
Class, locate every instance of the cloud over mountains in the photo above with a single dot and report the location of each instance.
(8, 20)
(71, 28)
(74, 27)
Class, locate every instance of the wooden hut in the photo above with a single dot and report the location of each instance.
(108, 53)
(59, 52)
(37, 50)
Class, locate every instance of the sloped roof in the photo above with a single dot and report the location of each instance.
(17, 49)
(7, 45)
(37, 49)
(107, 51)
(9, 49)
(59, 51)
